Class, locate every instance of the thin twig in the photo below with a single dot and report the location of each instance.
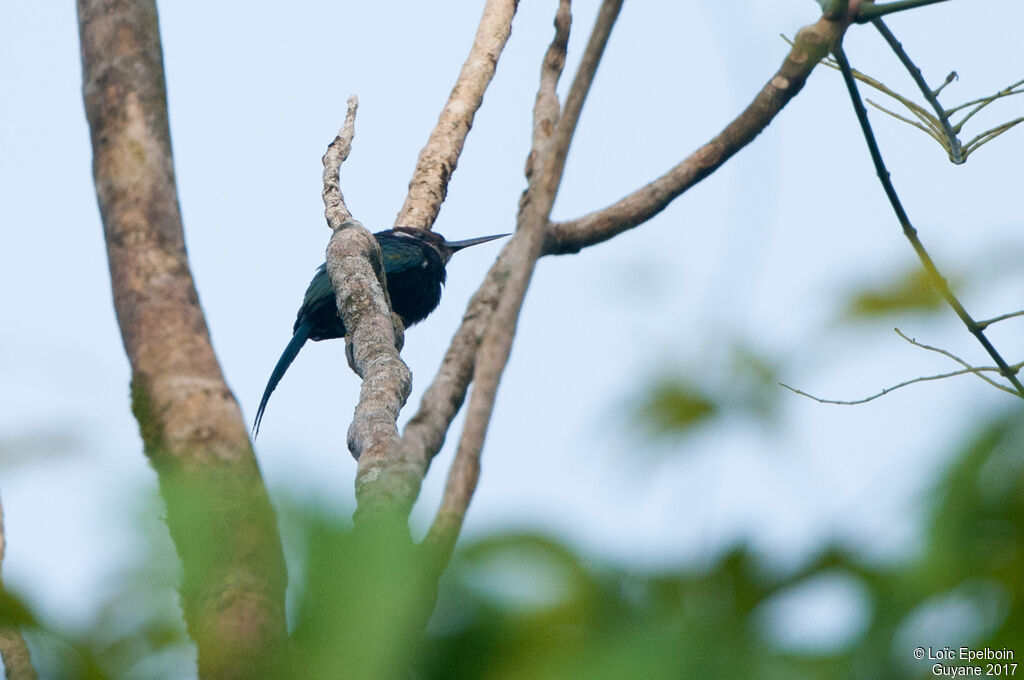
(908, 229)
(1002, 317)
(966, 365)
(985, 101)
(335, 210)
(955, 154)
(991, 134)
(887, 390)
(925, 124)
(940, 128)
(436, 163)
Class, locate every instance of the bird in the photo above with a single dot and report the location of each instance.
(414, 264)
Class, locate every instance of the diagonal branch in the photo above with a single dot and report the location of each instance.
(908, 229)
(952, 143)
(437, 160)
(811, 45)
(192, 430)
(424, 435)
(544, 168)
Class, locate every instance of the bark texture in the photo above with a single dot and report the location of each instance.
(13, 650)
(192, 428)
(544, 168)
(437, 160)
(812, 44)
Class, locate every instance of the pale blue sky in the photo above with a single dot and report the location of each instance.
(764, 250)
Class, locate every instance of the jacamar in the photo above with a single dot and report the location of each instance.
(414, 262)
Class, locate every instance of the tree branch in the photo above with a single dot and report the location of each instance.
(811, 45)
(13, 650)
(425, 433)
(544, 169)
(955, 153)
(946, 353)
(335, 210)
(437, 160)
(908, 229)
(372, 343)
(390, 470)
(191, 426)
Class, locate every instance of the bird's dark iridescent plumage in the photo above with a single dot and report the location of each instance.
(414, 263)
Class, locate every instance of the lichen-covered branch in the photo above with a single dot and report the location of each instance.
(437, 160)
(811, 45)
(13, 650)
(192, 428)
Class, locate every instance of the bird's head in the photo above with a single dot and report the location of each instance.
(444, 247)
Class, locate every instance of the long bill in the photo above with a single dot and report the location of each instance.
(459, 245)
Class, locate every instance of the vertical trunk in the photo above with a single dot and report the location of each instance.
(192, 429)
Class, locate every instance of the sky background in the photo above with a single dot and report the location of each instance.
(763, 253)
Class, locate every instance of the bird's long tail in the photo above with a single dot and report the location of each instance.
(290, 352)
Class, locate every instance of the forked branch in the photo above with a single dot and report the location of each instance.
(1008, 372)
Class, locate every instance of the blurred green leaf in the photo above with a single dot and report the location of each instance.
(675, 405)
(909, 291)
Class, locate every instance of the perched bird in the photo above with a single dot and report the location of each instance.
(414, 262)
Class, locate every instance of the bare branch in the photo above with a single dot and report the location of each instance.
(544, 174)
(335, 210)
(908, 229)
(967, 368)
(960, 361)
(887, 390)
(425, 433)
(372, 342)
(952, 143)
(1002, 317)
(437, 160)
(13, 650)
(191, 426)
(982, 102)
(811, 45)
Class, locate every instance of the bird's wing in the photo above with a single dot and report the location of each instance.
(319, 288)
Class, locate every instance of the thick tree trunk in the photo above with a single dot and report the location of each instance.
(217, 507)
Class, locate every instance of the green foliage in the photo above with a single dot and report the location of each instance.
(526, 606)
(908, 291)
(736, 382)
(675, 405)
